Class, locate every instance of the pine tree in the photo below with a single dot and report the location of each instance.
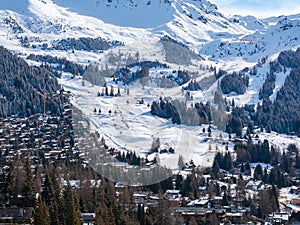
(106, 91)
(71, 207)
(27, 190)
(258, 172)
(111, 91)
(215, 170)
(227, 164)
(47, 192)
(274, 197)
(41, 215)
(242, 168)
(56, 200)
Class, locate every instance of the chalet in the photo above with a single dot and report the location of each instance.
(139, 197)
(235, 216)
(16, 215)
(278, 218)
(201, 214)
(174, 197)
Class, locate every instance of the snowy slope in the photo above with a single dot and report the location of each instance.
(274, 36)
(131, 127)
(198, 24)
(229, 43)
(192, 22)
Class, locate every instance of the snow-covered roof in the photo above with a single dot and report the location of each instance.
(199, 202)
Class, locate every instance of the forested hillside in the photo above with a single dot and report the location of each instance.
(22, 86)
(283, 115)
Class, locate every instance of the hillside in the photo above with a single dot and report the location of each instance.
(23, 87)
(118, 60)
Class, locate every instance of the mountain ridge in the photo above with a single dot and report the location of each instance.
(197, 24)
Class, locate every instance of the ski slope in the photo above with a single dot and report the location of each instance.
(131, 127)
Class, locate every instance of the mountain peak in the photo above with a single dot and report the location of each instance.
(138, 13)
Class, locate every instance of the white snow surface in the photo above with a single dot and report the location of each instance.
(198, 24)
(131, 127)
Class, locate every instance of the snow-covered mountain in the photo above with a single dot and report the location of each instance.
(118, 33)
(197, 24)
(192, 22)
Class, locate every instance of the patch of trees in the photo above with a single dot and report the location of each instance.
(61, 64)
(111, 93)
(178, 53)
(262, 152)
(253, 153)
(85, 44)
(266, 203)
(171, 40)
(275, 175)
(224, 161)
(181, 114)
(193, 86)
(130, 157)
(218, 74)
(126, 75)
(236, 120)
(269, 84)
(13, 24)
(149, 64)
(119, 58)
(235, 82)
(283, 115)
(182, 77)
(290, 58)
(94, 75)
(22, 84)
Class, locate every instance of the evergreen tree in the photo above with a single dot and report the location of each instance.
(227, 161)
(71, 207)
(106, 90)
(56, 200)
(215, 170)
(111, 91)
(27, 190)
(242, 168)
(53, 212)
(285, 163)
(258, 172)
(274, 197)
(47, 192)
(41, 215)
